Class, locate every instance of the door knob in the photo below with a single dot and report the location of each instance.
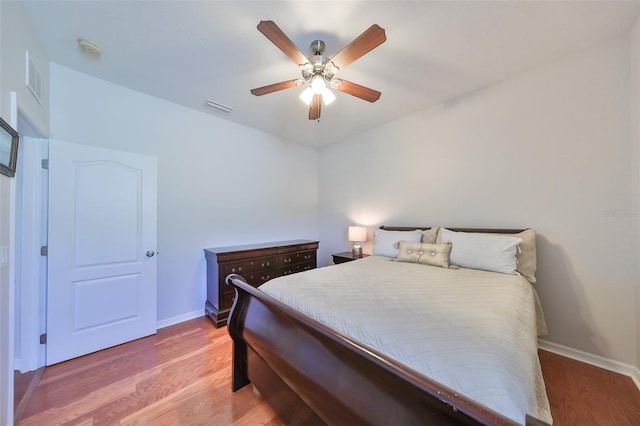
(150, 253)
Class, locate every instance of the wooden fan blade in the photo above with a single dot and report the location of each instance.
(314, 107)
(366, 42)
(273, 87)
(358, 91)
(282, 42)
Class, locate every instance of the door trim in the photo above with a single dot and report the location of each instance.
(31, 268)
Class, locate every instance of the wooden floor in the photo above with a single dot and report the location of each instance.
(581, 394)
(182, 376)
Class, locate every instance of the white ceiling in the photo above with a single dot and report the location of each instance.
(191, 51)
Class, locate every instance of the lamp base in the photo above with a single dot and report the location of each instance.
(357, 250)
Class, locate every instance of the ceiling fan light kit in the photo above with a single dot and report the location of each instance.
(327, 95)
(318, 71)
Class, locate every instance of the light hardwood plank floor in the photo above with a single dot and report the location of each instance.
(182, 376)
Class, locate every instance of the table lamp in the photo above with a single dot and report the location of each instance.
(357, 235)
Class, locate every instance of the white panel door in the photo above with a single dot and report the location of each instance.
(101, 248)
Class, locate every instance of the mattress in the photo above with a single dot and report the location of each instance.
(472, 331)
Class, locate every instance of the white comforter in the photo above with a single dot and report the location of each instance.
(473, 331)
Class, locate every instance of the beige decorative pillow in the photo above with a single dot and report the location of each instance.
(526, 256)
(430, 235)
(424, 253)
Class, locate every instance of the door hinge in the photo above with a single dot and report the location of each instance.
(43, 338)
(45, 163)
(44, 251)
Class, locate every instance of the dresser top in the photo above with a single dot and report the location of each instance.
(258, 246)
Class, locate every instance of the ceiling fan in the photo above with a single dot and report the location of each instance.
(319, 71)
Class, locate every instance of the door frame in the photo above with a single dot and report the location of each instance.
(31, 267)
(7, 304)
(29, 283)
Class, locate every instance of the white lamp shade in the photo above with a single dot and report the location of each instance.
(357, 233)
(318, 85)
(328, 96)
(307, 95)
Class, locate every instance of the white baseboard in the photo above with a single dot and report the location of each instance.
(636, 377)
(180, 318)
(596, 360)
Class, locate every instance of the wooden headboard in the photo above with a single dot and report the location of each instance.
(480, 230)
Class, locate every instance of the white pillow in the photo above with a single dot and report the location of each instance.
(526, 255)
(386, 242)
(489, 252)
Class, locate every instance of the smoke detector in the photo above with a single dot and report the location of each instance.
(89, 47)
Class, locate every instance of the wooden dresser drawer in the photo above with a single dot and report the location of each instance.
(248, 266)
(288, 259)
(227, 298)
(298, 268)
(258, 278)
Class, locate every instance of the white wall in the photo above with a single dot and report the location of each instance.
(635, 141)
(16, 36)
(219, 183)
(548, 149)
(5, 365)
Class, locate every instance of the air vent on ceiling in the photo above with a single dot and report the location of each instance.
(33, 79)
(214, 106)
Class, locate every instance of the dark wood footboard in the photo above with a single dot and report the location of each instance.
(310, 374)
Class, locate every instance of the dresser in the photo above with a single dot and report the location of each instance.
(256, 263)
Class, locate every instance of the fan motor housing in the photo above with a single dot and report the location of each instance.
(316, 48)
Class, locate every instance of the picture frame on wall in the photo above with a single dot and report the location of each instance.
(8, 149)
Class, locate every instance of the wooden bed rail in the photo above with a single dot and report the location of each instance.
(311, 374)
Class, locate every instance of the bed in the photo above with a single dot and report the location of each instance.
(436, 346)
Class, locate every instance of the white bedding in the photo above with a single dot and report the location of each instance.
(473, 331)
